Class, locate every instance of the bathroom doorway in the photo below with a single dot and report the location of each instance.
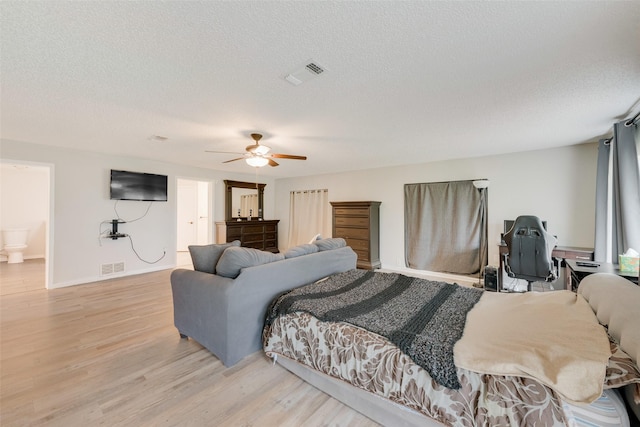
(25, 200)
(194, 210)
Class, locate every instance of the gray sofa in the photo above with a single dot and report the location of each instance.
(225, 314)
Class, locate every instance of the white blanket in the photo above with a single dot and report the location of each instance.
(553, 337)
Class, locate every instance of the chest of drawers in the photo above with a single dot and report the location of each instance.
(359, 224)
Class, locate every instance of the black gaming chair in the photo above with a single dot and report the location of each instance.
(530, 251)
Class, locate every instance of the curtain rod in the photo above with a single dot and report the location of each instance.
(449, 182)
(632, 121)
(445, 182)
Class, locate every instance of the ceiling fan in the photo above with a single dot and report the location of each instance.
(258, 155)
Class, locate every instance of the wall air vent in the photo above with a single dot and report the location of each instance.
(307, 71)
(111, 268)
(106, 269)
(118, 267)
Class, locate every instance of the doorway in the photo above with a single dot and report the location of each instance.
(25, 200)
(194, 210)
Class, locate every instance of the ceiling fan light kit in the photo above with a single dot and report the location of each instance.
(257, 162)
(261, 149)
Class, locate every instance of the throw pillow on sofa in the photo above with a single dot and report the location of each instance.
(316, 237)
(330, 243)
(205, 257)
(301, 250)
(234, 259)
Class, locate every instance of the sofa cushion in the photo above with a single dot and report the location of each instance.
(234, 259)
(301, 250)
(330, 243)
(205, 257)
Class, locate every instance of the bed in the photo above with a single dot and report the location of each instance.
(330, 334)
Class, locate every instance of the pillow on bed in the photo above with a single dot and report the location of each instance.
(301, 250)
(234, 259)
(330, 243)
(620, 370)
(205, 257)
(623, 374)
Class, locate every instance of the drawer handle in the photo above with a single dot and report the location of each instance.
(583, 257)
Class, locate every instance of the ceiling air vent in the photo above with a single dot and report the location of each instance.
(305, 72)
(314, 68)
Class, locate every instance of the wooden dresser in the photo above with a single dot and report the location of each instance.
(359, 224)
(261, 235)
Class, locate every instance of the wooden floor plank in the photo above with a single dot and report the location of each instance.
(107, 353)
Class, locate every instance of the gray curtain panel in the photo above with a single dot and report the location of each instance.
(602, 196)
(624, 197)
(445, 227)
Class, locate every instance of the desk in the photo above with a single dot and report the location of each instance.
(561, 252)
(577, 272)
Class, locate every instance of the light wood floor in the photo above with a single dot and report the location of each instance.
(21, 277)
(107, 354)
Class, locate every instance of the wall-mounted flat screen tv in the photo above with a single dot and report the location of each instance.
(138, 186)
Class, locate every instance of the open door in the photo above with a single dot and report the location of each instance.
(193, 213)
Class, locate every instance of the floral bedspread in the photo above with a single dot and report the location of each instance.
(370, 362)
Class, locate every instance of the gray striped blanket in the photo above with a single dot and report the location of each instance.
(423, 318)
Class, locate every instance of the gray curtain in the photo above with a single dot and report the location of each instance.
(621, 230)
(445, 227)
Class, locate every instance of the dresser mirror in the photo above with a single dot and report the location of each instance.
(243, 200)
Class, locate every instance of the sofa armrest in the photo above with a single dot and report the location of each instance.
(200, 306)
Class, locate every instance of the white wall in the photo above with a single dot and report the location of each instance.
(24, 203)
(558, 185)
(80, 191)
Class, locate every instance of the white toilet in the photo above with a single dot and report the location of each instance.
(15, 242)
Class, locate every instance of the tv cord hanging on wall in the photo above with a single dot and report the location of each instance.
(164, 253)
(115, 209)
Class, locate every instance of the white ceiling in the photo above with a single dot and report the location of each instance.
(406, 82)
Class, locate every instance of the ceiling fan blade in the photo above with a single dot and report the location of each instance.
(222, 152)
(288, 156)
(273, 163)
(233, 160)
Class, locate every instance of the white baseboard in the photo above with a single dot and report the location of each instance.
(4, 258)
(93, 279)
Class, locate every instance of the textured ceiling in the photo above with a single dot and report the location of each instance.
(406, 82)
